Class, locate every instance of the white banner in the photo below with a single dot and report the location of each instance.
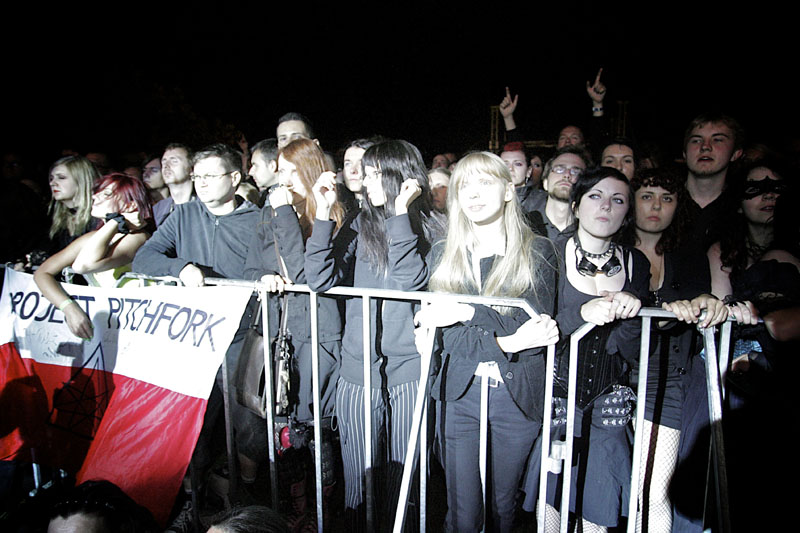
(172, 337)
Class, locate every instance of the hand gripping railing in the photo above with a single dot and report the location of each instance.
(563, 451)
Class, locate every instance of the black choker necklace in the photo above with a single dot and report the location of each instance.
(587, 268)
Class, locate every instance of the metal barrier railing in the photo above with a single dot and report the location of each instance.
(557, 459)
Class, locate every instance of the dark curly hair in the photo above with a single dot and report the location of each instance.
(672, 180)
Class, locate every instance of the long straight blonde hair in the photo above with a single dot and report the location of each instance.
(74, 221)
(512, 275)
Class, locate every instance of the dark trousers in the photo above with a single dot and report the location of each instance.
(510, 438)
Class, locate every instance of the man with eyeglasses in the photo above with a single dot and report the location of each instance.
(175, 169)
(210, 237)
(205, 238)
(560, 173)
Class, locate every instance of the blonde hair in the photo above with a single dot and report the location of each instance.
(85, 174)
(512, 275)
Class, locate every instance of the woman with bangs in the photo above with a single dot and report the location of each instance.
(102, 255)
(385, 247)
(277, 257)
(489, 251)
(676, 405)
(603, 283)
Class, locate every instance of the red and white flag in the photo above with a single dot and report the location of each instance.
(126, 406)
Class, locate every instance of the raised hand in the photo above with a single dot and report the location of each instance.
(324, 191)
(596, 90)
(508, 105)
(409, 191)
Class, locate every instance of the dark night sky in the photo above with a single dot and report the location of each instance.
(130, 82)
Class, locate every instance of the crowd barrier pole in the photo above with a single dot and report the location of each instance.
(316, 398)
(641, 394)
(724, 355)
(566, 455)
(546, 463)
(717, 441)
(367, 395)
(269, 395)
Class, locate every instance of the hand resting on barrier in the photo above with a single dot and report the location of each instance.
(610, 306)
(689, 311)
(274, 282)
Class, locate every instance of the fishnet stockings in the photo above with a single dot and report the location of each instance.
(552, 521)
(659, 456)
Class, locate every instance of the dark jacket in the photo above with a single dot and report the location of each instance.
(464, 345)
(339, 261)
(282, 226)
(192, 234)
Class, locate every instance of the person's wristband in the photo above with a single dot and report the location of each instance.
(63, 305)
(122, 224)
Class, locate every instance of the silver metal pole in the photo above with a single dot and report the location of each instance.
(715, 414)
(641, 396)
(269, 394)
(233, 472)
(317, 415)
(484, 427)
(367, 341)
(413, 437)
(571, 394)
(546, 463)
(724, 354)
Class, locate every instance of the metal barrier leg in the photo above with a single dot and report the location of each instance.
(484, 441)
(416, 422)
(724, 355)
(572, 392)
(715, 412)
(269, 394)
(365, 316)
(316, 399)
(546, 461)
(233, 472)
(641, 399)
(423, 465)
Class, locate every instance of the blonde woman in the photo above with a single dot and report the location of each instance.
(489, 251)
(72, 180)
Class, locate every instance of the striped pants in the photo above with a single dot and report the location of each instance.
(392, 412)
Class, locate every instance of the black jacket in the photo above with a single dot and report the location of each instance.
(282, 226)
(464, 345)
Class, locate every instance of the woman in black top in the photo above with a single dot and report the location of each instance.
(676, 405)
(489, 251)
(603, 283)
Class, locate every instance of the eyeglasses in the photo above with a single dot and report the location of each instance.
(575, 172)
(207, 177)
(372, 175)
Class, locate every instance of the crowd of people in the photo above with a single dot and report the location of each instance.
(591, 231)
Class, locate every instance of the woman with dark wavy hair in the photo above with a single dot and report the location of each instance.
(386, 247)
(676, 401)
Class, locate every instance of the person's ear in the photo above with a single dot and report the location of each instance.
(237, 178)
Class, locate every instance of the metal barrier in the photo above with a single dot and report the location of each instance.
(563, 451)
(558, 457)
